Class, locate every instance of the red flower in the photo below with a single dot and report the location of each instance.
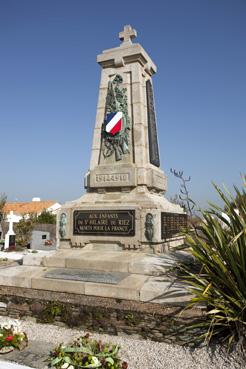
(124, 365)
(9, 338)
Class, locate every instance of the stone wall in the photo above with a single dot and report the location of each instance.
(103, 315)
(51, 228)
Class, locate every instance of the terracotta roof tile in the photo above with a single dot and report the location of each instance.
(28, 207)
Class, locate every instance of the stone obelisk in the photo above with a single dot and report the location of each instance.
(124, 205)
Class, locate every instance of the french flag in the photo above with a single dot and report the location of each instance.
(114, 122)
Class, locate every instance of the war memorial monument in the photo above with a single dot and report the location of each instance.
(124, 207)
(113, 239)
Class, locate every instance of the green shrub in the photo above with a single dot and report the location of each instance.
(46, 218)
(218, 246)
(23, 230)
(52, 311)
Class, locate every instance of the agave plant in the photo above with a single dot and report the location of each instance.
(219, 248)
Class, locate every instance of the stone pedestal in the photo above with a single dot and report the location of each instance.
(124, 203)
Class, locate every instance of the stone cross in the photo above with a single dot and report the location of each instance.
(11, 219)
(127, 34)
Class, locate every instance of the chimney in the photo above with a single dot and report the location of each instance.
(36, 199)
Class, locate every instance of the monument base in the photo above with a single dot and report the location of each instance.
(126, 220)
(125, 275)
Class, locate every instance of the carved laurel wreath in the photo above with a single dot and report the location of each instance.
(116, 101)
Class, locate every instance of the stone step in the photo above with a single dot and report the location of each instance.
(115, 274)
(109, 261)
(134, 287)
(128, 289)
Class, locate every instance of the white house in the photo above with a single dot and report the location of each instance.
(36, 206)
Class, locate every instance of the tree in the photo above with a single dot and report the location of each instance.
(23, 231)
(176, 200)
(46, 218)
(3, 199)
(184, 197)
(184, 200)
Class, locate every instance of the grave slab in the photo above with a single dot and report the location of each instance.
(86, 275)
(48, 284)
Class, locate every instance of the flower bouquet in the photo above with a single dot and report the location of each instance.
(86, 353)
(11, 339)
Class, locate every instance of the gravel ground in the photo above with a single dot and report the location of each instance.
(4, 365)
(140, 354)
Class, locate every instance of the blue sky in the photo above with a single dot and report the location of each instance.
(49, 82)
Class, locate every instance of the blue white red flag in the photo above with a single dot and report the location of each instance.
(114, 122)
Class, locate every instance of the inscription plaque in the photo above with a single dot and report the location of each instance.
(86, 275)
(172, 223)
(152, 130)
(12, 240)
(104, 222)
